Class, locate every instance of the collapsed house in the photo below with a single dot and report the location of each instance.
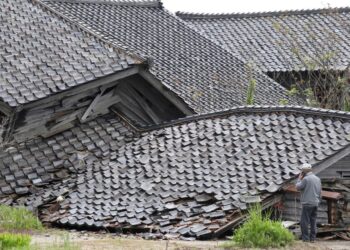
(192, 177)
(52, 62)
(103, 100)
(54, 75)
(286, 45)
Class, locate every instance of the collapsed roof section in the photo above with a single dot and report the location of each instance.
(54, 74)
(26, 167)
(282, 41)
(193, 177)
(41, 54)
(206, 76)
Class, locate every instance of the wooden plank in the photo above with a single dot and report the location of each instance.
(131, 114)
(63, 123)
(58, 129)
(131, 106)
(142, 104)
(332, 211)
(39, 115)
(10, 125)
(106, 102)
(337, 169)
(73, 99)
(107, 81)
(159, 102)
(100, 105)
(91, 106)
(331, 160)
(325, 194)
(69, 117)
(34, 132)
(5, 109)
(170, 95)
(241, 216)
(46, 103)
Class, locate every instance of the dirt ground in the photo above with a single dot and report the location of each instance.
(94, 241)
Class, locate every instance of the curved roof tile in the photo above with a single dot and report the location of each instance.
(284, 40)
(202, 73)
(183, 178)
(41, 54)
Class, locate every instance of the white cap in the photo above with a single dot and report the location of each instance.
(306, 167)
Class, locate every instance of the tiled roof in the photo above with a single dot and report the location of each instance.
(41, 54)
(26, 167)
(202, 73)
(281, 41)
(190, 177)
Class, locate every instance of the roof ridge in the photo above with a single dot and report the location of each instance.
(329, 113)
(138, 3)
(192, 15)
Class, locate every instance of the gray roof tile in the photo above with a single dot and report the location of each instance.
(41, 54)
(269, 40)
(206, 76)
(40, 161)
(174, 193)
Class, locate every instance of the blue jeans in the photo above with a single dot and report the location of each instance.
(308, 217)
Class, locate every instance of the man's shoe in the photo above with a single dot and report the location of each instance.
(312, 241)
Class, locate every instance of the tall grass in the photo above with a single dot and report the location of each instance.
(260, 231)
(19, 218)
(14, 241)
(251, 92)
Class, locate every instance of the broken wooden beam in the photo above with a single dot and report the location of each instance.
(242, 216)
(324, 194)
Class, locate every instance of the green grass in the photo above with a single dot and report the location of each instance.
(262, 232)
(18, 219)
(13, 241)
(61, 243)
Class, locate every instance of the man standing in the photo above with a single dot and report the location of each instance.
(310, 187)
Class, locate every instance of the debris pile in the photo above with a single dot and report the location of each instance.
(194, 178)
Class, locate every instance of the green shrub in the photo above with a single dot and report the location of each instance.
(20, 218)
(10, 241)
(260, 231)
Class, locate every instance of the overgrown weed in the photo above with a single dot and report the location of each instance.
(259, 231)
(18, 219)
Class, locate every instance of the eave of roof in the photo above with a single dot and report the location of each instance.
(253, 109)
(137, 3)
(193, 15)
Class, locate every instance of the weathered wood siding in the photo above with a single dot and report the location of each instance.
(132, 97)
(52, 117)
(292, 209)
(335, 178)
(339, 170)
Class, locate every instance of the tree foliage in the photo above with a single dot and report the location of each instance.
(321, 83)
